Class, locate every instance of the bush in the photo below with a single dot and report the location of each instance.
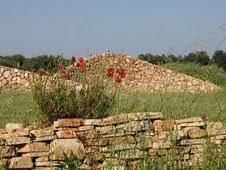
(219, 57)
(76, 93)
(199, 57)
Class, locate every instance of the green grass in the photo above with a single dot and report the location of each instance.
(174, 105)
(210, 73)
(21, 107)
(16, 106)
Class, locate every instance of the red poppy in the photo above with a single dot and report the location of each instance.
(121, 72)
(110, 71)
(82, 64)
(118, 79)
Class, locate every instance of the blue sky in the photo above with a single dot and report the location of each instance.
(76, 27)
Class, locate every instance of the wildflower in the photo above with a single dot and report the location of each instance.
(82, 64)
(118, 79)
(121, 72)
(110, 72)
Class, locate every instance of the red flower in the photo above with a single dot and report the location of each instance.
(110, 71)
(121, 72)
(82, 64)
(118, 79)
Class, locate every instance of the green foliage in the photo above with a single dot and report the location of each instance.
(210, 73)
(71, 163)
(199, 57)
(46, 62)
(213, 157)
(219, 57)
(174, 105)
(90, 97)
(159, 59)
(16, 106)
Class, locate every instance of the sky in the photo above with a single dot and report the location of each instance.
(81, 27)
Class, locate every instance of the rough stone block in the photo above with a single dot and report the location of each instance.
(72, 122)
(35, 147)
(7, 151)
(60, 147)
(17, 140)
(11, 127)
(21, 163)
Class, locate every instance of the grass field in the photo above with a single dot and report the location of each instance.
(18, 106)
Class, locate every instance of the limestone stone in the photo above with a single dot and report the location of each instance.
(106, 129)
(21, 163)
(17, 140)
(157, 124)
(213, 128)
(73, 122)
(92, 122)
(6, 74)
(118, 119)
(42, 132)
(162, 144)
(35, 147)
(85, 128)
(42, 159)
(192, 141)
(196, 133)
(189, 120)
(60, 147)
(193, 124)
(36, 154)
(11, 127)
(7, 151)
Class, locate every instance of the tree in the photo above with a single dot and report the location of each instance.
(219, 57)
(199, 57)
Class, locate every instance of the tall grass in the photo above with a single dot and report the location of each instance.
(174, 105)
(16, 106)
(210, 73)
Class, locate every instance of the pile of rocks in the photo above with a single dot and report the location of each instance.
(118, 141)
(144, 76)
(12, 78)
(140, 75)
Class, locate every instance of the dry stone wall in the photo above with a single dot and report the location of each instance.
(13, 78)
(140, 75)
(120, 141)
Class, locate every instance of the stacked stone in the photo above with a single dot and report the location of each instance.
(120, 141)
(140, 75)
(145, 76)
(12, 78)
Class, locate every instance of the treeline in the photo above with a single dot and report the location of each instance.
(46, 62)
(199, 57)
(50, 62)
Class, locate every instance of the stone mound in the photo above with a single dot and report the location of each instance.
(140, 75)
(145, 76)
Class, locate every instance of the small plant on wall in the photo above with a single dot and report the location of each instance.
(78, 91)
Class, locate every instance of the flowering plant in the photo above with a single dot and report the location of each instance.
(78, 91)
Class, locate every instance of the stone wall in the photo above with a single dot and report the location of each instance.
(12, 78)
(120, 141)
(140, 75)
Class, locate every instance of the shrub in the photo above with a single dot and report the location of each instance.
(79, 92)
